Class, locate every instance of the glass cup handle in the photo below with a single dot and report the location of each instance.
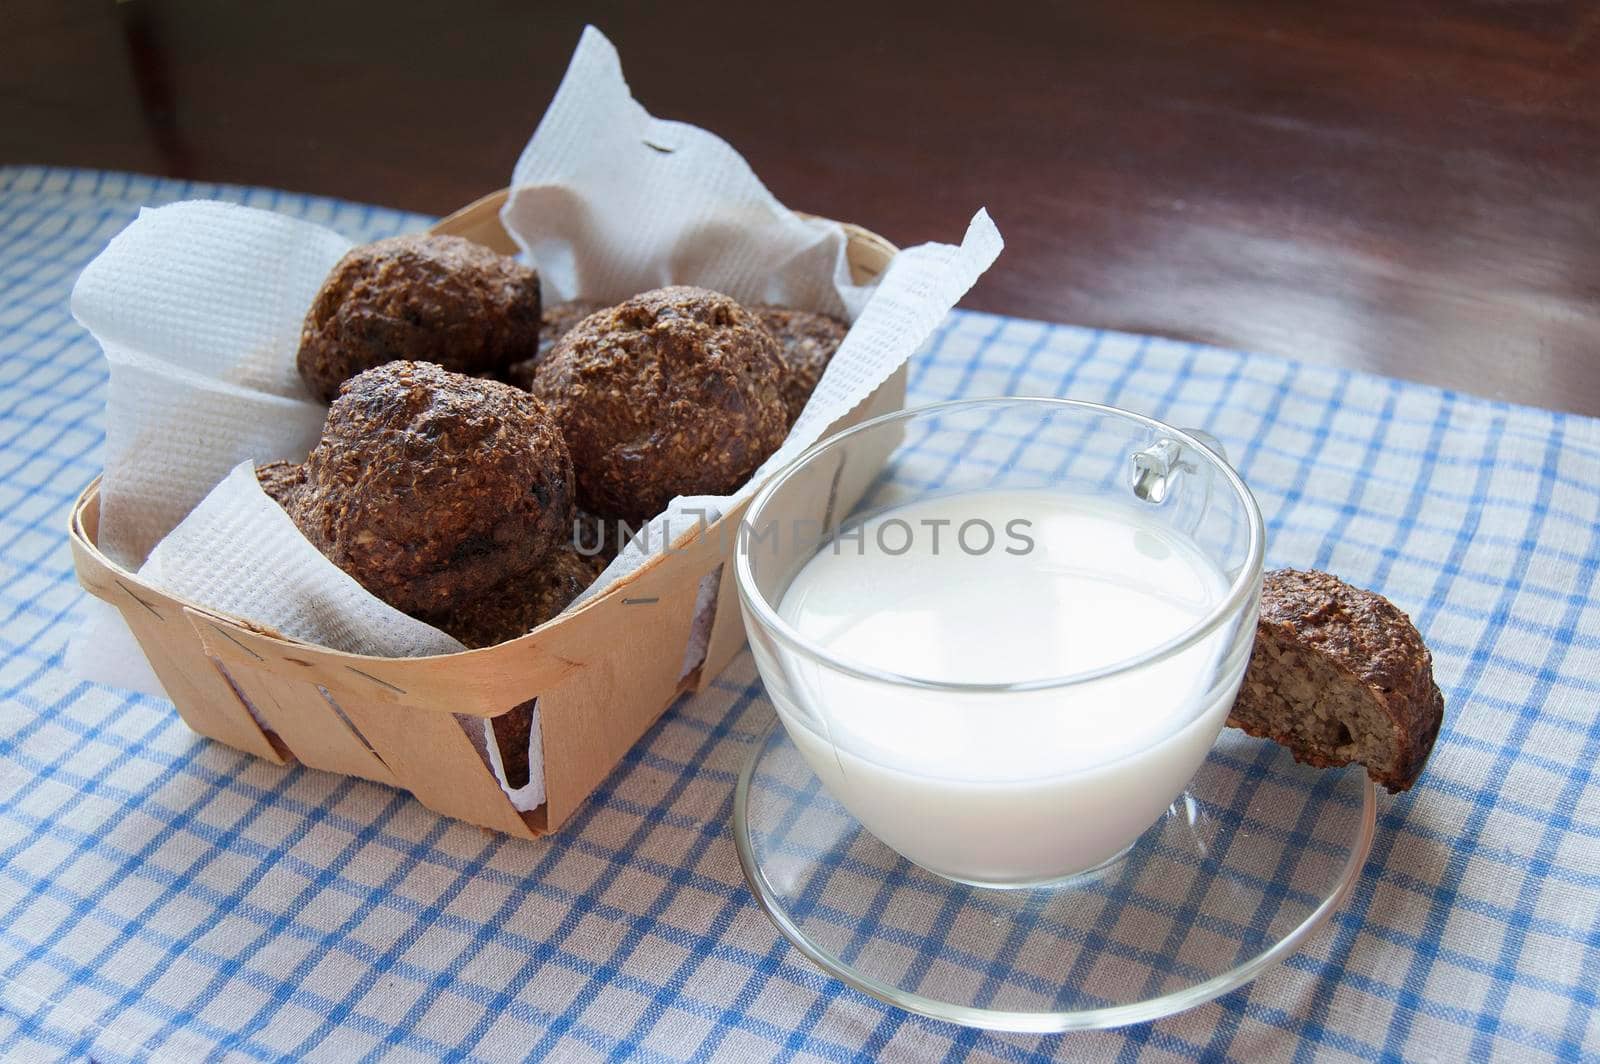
(1155, 468)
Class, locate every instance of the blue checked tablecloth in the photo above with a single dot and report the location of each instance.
(162, 896)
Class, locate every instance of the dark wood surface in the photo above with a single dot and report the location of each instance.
(1412, 188)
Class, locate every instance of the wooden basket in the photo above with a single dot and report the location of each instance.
(602, 674)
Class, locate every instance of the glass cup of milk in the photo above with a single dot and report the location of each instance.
(1004, 633)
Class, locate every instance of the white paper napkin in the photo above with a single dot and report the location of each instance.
(198, 308)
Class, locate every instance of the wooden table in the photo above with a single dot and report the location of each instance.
(1408, 188)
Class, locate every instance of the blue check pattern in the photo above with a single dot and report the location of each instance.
(165, 897)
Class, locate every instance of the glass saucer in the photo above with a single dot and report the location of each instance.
(1251, 859)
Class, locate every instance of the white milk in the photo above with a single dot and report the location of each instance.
(1013, 787)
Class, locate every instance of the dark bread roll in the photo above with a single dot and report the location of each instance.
(520, 605)
(1340, 676)
(434, 489)
(806, 343)
(282, 481)
(428, 298)
(676, 391)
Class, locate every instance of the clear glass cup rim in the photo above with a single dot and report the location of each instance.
(1239, 590)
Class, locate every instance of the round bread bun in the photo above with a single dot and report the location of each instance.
(282, 481)
(519, 606)
(806, 343)
(432, 489)
(677, 391)
(441, 299)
